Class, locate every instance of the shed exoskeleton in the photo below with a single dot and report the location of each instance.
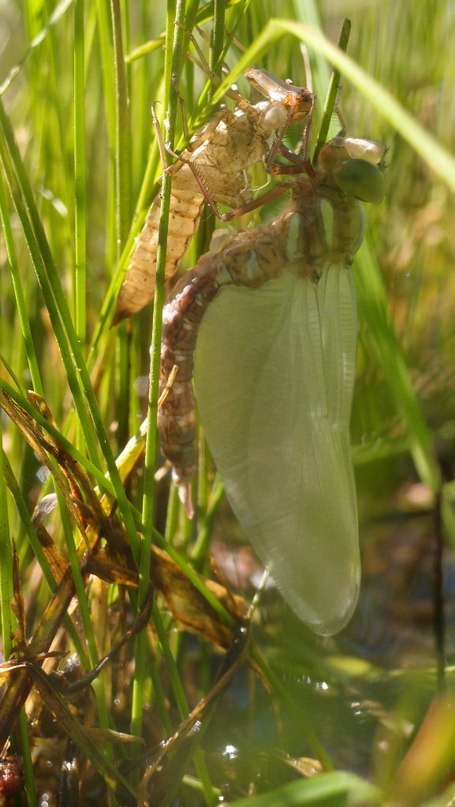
(212, 169)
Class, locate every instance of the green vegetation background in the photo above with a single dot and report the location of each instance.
(77, 83)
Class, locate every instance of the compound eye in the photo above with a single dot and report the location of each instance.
(361, 149)
(361, 179)
(275, 116)
(334, 153)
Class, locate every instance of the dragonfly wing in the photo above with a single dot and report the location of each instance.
(274, 374)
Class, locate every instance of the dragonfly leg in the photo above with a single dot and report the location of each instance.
(203, 64)
(159, 137)
(241, 209)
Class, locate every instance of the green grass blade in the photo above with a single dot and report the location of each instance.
(386, 346)
(80, 195)
(438, 158)
(70, 349)
(328, 790)
(21, 303)
(122, 132)
(174, 36)
(6, 569)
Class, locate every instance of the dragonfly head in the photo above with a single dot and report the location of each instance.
(355, 164)
(298, 101)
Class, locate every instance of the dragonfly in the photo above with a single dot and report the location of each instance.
(268, 324)
(212, 169)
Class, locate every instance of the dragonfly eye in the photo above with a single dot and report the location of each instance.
(361, 179)
(275, 116)
(361, 149)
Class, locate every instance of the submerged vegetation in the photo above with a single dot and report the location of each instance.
(110, 694)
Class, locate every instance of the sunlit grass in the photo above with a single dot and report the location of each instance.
(80, 165)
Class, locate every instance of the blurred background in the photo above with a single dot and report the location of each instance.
(367, 690)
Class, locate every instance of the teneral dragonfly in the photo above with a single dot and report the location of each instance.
(212, 169)
(273, 314)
